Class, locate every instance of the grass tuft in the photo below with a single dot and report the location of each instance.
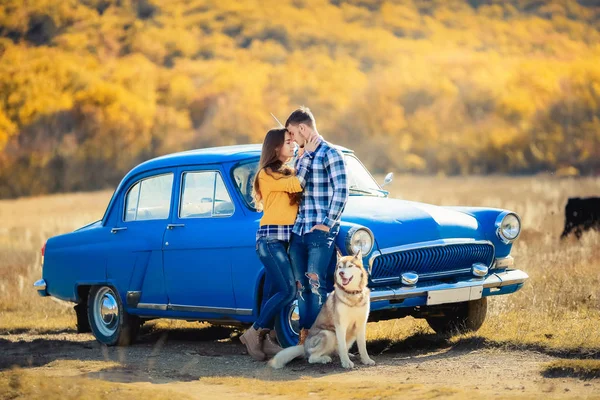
(585, 369)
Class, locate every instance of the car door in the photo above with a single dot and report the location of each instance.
(197, 263)
(135, 264)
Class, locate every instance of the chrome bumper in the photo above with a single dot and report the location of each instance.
(494, 280)
(40, 286)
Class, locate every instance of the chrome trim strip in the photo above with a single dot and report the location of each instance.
(512, 277)
(396, 279)
(149, 306)
(446, 273)
(434, 243)
(180, 307)
(215, 310)
(40, 284)
(424, 245)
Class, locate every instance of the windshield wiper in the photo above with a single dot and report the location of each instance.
(356, 189)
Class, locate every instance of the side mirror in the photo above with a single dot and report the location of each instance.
(388, 179)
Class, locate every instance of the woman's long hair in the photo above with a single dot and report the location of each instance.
(270, 162)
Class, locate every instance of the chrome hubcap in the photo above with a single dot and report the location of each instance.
(294, 318)
(106, 311)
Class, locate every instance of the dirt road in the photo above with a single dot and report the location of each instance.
(211, 362)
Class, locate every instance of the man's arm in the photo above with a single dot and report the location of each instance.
(336, 170)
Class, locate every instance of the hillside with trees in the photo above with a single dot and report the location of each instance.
(90, 88)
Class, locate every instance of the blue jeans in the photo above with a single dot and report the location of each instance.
(273, 254)
(311, 256)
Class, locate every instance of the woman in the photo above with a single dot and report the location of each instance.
(276, 191)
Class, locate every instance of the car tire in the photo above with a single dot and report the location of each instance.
(109, 322)
(287, 325)
(462, 318)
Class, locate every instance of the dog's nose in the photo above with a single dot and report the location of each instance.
(341, 273)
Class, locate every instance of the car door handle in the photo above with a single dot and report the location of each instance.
(171, 226)
(115, 230)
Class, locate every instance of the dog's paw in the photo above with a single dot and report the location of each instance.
(347, 364)
(368, 361)
(352, 356)
(319, 360)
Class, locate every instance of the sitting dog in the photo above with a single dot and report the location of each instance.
(341, 321)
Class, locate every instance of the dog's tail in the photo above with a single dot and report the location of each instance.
(286, 355)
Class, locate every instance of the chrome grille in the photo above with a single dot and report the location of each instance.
(430, 262)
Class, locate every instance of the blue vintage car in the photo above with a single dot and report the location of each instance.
(177, 240)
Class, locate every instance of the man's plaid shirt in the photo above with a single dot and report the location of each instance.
(326, 190)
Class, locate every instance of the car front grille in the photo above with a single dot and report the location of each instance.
(431, 262)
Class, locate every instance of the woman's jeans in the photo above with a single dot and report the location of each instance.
(311, 254)
(273, 254)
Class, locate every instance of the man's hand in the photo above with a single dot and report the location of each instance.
(320, 227)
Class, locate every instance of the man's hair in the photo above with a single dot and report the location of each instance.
(301, 115)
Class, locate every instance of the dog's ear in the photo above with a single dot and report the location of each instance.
(358, 256)
(339, 255)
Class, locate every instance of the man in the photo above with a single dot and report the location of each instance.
(312, 244)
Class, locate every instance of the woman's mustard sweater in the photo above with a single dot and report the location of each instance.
(276, 201)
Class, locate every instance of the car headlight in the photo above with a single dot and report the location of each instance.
(359, 238)
(508, 227)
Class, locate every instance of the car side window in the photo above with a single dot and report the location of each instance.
(243, 176)
(149, 199)
(204, 195)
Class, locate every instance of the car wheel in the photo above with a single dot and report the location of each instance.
(109, 322)
(464, 317)
(287, 325)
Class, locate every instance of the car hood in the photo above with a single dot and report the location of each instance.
(397, 222)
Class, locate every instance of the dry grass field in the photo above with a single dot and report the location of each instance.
(557, 311)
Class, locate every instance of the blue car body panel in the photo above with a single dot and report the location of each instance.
(207, 268)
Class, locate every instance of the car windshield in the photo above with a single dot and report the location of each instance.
(360, 181)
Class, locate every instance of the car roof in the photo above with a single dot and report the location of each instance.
(210, 155)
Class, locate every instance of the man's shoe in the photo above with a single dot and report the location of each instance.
(270, 345)
(253, 339)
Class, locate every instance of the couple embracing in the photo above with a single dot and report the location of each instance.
(296, 238)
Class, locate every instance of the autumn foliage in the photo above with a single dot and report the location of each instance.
(90, 88)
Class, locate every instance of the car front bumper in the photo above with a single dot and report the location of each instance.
(501, 282)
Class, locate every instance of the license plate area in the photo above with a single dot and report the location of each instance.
(454, 295)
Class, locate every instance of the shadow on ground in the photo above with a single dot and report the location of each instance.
(187, 354)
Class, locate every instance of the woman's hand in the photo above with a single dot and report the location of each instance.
(312, 143)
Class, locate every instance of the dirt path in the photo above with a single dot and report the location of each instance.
(210, 363)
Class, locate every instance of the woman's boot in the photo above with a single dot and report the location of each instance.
(253, 339)
(270, 345)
